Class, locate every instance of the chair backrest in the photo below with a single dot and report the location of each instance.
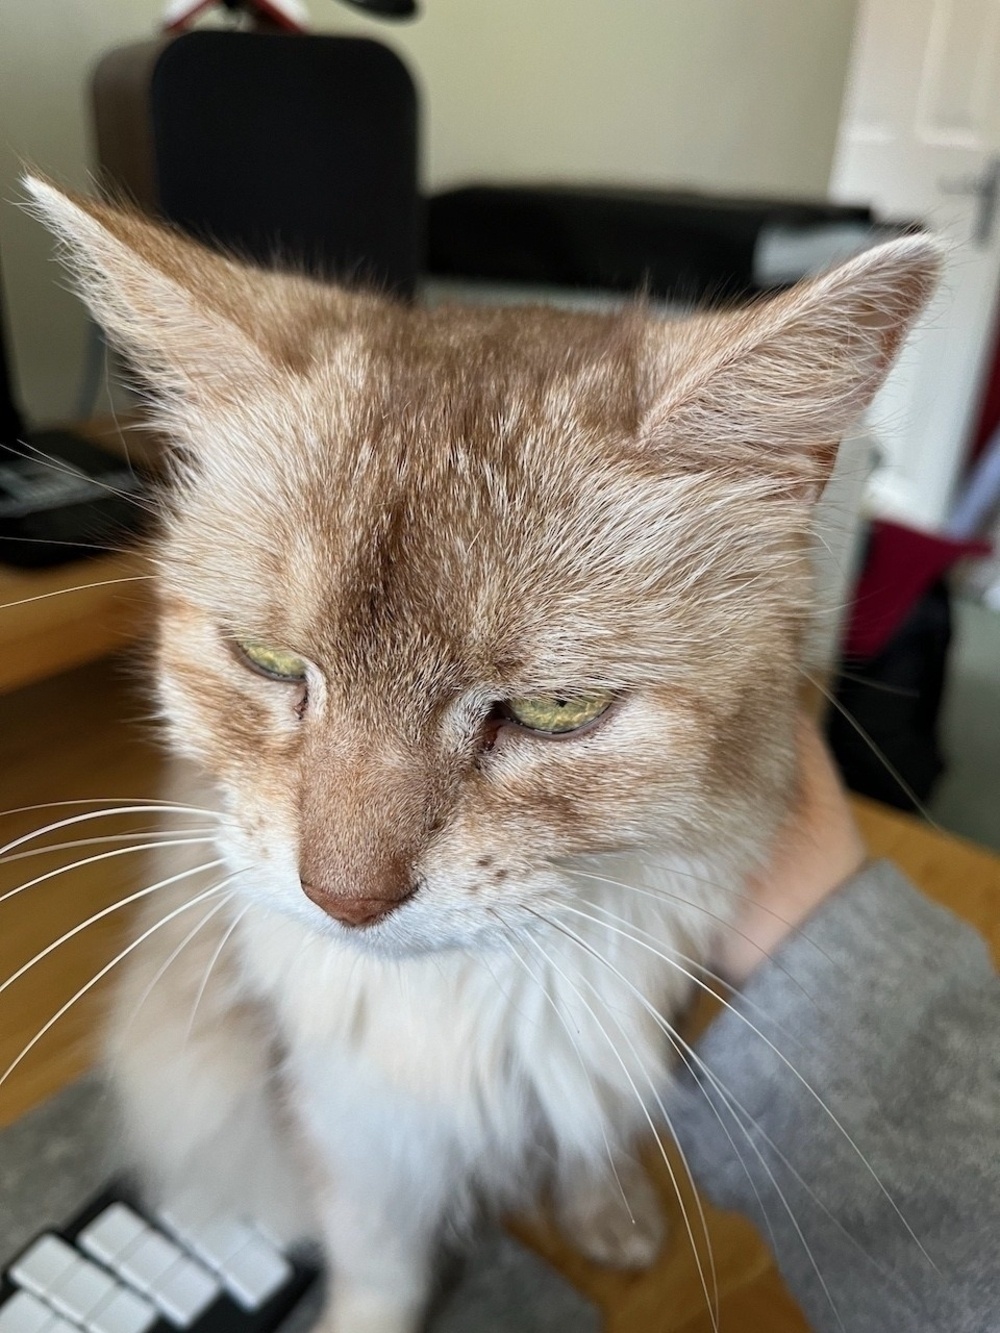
(299, 151)
(11, 421)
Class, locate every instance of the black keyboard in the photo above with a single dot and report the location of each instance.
(119, 1269)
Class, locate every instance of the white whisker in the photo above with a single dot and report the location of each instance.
(142, 837)
(879, 754)
(79, 587)
(94, 814)
(209, 969)
(674, 958)
(730, 1101)
(120, 804)
(678, 1045)
(742, 894)
(687, 1054)
(227, 898)
(684, 1051)
(792, 1070)
(105, 911)
(674, 1038)
(712, 1307)
(533, 976)
(103, 973)
(77, 546)
(35, 454)
(584, 944)
(660, 894)
(102, 856)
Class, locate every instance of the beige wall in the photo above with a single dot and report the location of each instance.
(738, 95)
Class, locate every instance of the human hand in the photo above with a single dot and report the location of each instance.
(818, 848)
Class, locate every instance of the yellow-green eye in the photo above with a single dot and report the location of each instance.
(555, 716)
(277, 663)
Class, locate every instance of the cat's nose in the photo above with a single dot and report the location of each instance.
(352, 910)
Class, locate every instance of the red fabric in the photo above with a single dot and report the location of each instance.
(901, 565)
(262, 8)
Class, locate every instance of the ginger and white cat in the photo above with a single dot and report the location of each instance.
(480, 632)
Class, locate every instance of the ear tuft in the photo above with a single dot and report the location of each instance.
(884, 290)
(49, 205)
(176, 309)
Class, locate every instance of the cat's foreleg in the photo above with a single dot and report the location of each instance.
(385, 1178)
(381, 1267)
(612, 1215)
(195, 1075)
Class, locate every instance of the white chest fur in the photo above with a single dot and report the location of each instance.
(480, 1059)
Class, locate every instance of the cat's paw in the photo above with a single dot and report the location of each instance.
(353, 1311)
(594, 1217)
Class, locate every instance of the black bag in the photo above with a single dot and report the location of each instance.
(895, 699)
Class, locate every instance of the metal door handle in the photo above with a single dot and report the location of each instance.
(986, 189)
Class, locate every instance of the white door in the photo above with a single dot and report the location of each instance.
(920, 140)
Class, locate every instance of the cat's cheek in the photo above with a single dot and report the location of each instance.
(616, 786)
(185, 717)
(243, 733)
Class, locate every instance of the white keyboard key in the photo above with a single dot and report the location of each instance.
(80, 1290)
(255, 1272)
(41, 1267)
(263, 1230)
(125, 1312)
(185, 1292)
(212, 1241)
(24, 1313)
(61, 1326)
(112, 1233)
(148, 1259)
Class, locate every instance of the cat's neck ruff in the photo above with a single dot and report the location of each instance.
(567, 1017)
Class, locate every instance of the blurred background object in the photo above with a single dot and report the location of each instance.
(299, 151)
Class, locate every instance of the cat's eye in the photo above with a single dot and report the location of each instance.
(276, 663)
(552, 715)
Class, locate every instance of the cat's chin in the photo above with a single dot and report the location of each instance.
(399, 943)
(401, 937)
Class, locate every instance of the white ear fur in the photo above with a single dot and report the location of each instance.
(777, 385)
(162, 298)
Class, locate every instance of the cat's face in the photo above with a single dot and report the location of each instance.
(450, 597)
(458, 543)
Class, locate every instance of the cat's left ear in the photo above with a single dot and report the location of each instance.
(776, 386)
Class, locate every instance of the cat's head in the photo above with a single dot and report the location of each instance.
(449, 597)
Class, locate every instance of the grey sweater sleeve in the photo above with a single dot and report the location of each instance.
(860, 1125)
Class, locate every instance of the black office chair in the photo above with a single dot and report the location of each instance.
(292, 150)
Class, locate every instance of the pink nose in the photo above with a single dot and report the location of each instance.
(354, 911)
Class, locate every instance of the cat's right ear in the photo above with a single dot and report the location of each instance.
(177, 310)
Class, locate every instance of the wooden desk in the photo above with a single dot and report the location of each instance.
(46, 628)
(57, 618)
(65, 738)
